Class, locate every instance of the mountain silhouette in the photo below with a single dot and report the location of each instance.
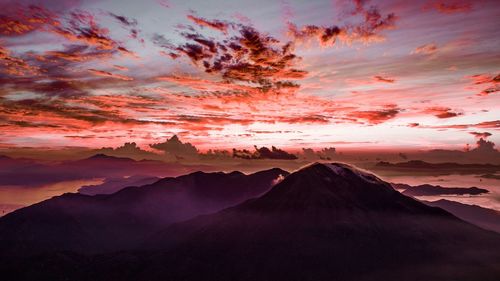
(326, 222)
(34, 173)
(322, 222)
(102, 223)
(433, 190)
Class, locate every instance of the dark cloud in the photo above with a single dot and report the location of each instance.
(483, 135)
(213, 24)
(485, 147)
(124, 20)
(384, 79)
(264, 153)
(495, 124)
(129, 150)
(326, 153)
(176, 148)
(326, 36)
(247, 56)
(130, 24)
(110, 75)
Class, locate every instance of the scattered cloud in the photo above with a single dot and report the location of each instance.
(383, 79)
(110, 75)
(449, 6)
(376, 116)
(483, 135)
(426, 49)
(213, 24)
(441, 112)
(492, 81)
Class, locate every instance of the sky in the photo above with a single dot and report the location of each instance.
(224, 74)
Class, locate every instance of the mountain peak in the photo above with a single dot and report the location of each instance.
(334, 187)
(346, 170)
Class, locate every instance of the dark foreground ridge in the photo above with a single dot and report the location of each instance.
(322, 222)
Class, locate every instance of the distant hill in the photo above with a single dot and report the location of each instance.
(483, 217)
(417, 166)
(114, 184)
(433, 190)
(29, 172)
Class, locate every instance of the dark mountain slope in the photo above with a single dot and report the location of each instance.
(483, 217)
(104, 223)
(323, 222)
(326, 222)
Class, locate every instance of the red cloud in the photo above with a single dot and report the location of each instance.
(441, 112)
(493, 81)
(109, 74)
(449, 6)
(376, 116)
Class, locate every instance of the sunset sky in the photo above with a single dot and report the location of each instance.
(223, 74)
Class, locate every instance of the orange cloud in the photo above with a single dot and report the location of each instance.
(111, 75)
(367, 30)
(14, 65)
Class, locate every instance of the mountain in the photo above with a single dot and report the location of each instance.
(432, 190)
(418, 166)
(102, 223)
(325, 222)
(322, 222)
(32, 173)
(114, 184)
(483, 217)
